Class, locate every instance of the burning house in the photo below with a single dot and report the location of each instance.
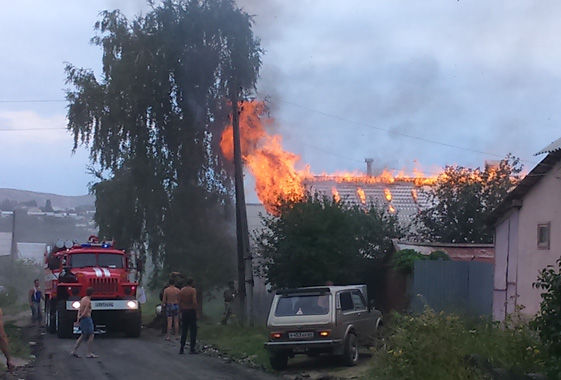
(398, 195)
(277, 177)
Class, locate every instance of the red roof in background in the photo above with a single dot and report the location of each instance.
(484, 253)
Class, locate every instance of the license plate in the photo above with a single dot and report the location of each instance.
(300, 335)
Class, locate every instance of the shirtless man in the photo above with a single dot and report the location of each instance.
(4, 344)
(170, 301)
(84, 320)
(189, 315)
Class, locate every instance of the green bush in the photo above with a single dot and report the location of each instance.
(548, 320)
(404, 260)
(439, 255)
(8, 297)
(439, 346)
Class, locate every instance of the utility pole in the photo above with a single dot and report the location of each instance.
(14, 247)
(245, 259)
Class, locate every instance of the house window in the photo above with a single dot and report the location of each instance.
(543, 235)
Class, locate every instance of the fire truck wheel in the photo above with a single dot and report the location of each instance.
(133, 325)
(51, 316)
(65, 322)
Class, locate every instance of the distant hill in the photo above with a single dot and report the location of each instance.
(63, 202)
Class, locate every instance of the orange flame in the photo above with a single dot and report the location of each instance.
(336, 195)
(392, 209)
(361, 195)
(274, 169)
(414, 195)
(388, 194)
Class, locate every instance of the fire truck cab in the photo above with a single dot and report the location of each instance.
(71, 268)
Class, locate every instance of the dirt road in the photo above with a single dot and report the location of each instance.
(146, 358)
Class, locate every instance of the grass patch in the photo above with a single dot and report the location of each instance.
(19, 342)
(437, 346)
(237, 341)
(149, 308)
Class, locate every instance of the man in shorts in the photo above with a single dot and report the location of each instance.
(170, 301)
(84, 320)
(5, 344)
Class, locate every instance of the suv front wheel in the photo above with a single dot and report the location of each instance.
(350, 353)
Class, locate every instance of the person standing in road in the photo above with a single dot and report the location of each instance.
(35, 297)
(5, 344)
(189, 315)
(170, 301)
(84, 320)
(229, 296)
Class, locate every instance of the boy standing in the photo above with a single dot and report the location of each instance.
(171, 302)
(84, 320)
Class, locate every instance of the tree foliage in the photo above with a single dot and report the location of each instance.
(462, 199)
(404, 260)
(152, 122)
(318, 239)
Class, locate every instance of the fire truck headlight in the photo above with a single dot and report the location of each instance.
(76, 305)
(132, 305)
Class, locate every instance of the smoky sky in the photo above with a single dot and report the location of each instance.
(427, 84)
(410, 84)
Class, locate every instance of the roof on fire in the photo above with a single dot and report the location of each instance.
(406, 198)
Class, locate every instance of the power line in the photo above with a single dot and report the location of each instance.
(311, 110)
(33, 101)
(394, 132)
(29, 129)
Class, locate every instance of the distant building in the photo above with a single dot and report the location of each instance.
(32, 252)
(527, 235)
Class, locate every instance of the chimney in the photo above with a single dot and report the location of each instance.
(369, 166)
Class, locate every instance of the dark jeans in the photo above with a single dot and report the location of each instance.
(189, 322)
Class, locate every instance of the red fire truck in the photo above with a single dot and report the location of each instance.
(71, 268)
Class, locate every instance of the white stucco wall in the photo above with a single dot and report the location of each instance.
(502, 246)
(542, 204)
(516, 247)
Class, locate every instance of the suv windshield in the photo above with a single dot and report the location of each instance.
(302, 305)
(109, 260)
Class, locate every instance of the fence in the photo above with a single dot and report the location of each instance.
(453, 286)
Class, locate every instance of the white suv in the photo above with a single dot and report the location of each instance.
(315, 320)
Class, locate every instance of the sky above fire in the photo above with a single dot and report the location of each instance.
(410, 84)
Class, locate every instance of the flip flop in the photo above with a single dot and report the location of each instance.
(75, 355)
(92, 356)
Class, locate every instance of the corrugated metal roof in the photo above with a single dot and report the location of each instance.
(5, 243)
(405, 198)
(553, 147)
(32, 251)
(484, 253)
